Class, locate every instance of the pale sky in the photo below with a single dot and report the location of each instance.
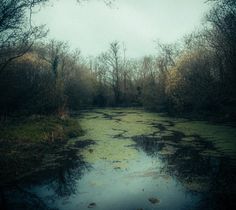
(91, 26)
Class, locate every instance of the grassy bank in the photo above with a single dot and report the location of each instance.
(34, 144)
(41, 128)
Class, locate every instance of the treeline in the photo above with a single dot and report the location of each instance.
(197, 74)
(45, 80)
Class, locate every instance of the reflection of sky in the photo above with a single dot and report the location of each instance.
(92, 26)
(126, 189)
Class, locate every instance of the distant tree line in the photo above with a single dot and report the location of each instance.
(197, 74)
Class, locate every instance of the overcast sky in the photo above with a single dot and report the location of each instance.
(92, 25)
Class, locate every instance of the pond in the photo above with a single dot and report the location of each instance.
(139, 160)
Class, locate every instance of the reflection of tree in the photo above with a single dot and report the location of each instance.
(149, 144)
(211, 176)
(62, 178)
(60, 173)
(64, 181)
(222, 187)
(24, 199)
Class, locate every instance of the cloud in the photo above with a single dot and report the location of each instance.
(92, 26)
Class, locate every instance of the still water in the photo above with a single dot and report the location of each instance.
(137, 160)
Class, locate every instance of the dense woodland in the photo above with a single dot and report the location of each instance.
(194, 75)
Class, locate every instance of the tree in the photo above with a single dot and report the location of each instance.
(222, 39)
(190, 84)
(112, 60)
(17, 34)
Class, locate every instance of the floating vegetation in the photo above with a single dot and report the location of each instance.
(132, 155)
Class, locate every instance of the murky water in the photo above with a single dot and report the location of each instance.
(139, 160)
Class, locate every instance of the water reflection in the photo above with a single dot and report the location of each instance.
(196, 164)
(59, 173)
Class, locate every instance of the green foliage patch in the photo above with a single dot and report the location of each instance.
(32, 145)
(43, 128)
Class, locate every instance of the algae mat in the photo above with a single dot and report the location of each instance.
(127, 123)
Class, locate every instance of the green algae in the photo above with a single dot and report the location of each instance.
(112, 130)
(188, 139)
(223, 137)
(212, 153)
(168, 150)
(116, 150)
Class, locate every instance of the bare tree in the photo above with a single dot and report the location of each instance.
(17, 34)
(221, 36)
(112, 60)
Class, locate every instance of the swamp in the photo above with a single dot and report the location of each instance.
(134, 159)
(117, 104)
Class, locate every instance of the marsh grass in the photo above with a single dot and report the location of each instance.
(42, 128)
(33, 144)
